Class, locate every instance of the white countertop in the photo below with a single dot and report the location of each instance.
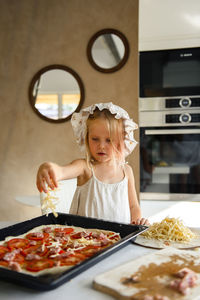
(157, 210)
(80, 287)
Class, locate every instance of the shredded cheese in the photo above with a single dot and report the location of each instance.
(169, 229)
(50, 201)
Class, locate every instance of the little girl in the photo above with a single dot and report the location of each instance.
(105, 184)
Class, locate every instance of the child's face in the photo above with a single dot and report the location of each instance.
(101, 148)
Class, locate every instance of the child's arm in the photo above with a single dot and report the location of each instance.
(135, 210)
(51, 173)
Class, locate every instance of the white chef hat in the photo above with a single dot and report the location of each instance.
(78, 121)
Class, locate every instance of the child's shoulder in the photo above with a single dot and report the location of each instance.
(84, 171)
(82, 165)
(128, 169)
(80, 162)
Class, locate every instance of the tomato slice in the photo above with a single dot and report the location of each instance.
(80, 256)
(37, 236)
(35, 250)
(17, 243)
(64, 230)
(4, 263)
(72, 260)
(77, 235)
(3, 250)
(114, 237)
(30, 249)
(39, 265)
(90, 250)
(18, 258)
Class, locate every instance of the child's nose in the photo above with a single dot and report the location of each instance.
(102, 144)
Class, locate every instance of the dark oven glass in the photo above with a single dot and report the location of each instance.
(172, 72)
(169, 163)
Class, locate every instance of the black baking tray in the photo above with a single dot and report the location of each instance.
(52, 281)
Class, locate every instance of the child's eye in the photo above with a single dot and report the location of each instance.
(108, 140)
(94, 139)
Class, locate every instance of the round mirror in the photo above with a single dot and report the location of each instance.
(56, 92)
(108, 50)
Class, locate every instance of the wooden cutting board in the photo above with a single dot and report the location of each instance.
(155, 272)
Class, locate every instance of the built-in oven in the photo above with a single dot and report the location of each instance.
(169, 119)
(170, 148)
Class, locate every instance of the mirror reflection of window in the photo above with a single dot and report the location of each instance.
(47, 105)
(69, 103)
(55, 92)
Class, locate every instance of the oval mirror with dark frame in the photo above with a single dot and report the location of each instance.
(55, 92)
(108, 50)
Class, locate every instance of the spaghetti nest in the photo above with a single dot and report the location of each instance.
(169, 229)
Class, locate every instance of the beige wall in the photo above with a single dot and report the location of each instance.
(34, 34)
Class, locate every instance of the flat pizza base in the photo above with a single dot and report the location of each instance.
(53, 270)
(155, 269)
(159, 244)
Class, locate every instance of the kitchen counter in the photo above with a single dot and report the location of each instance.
(80, 287)
(157, 210)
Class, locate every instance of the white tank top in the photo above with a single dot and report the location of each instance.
(107, 201)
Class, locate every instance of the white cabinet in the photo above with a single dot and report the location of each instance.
(169, 24)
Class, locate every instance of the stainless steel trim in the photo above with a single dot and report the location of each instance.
(158, 103)
(158, 118)
(171, 131)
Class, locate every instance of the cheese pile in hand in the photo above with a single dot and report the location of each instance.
(50, 201)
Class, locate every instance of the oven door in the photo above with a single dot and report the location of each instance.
(169, 162)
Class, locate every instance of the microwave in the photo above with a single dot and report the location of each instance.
(172, 72)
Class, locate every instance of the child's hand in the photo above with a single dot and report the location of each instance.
(46, 176)
(141, 221)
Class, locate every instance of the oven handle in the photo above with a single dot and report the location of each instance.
(171, 131)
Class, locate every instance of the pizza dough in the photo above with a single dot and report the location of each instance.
(51, 248)
(161, 244)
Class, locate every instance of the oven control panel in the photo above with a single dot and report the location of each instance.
(169, 103)
(184, 102)
(183, 118)
(169, 111)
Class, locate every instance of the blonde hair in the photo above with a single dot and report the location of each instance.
(116, 131)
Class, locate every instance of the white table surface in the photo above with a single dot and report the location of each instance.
(80, 287)
(187, 211)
